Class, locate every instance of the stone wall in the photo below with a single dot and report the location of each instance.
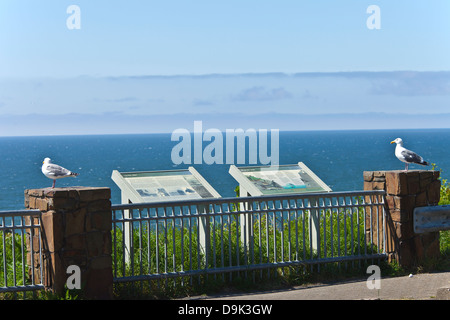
(76, 230)
(404, 192)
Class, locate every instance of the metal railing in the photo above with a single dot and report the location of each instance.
(20, 270)
(228, 235)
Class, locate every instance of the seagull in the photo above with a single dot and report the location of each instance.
(407, 156)
(53, 171)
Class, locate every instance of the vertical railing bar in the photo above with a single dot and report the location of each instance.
(338, 230)
(33, 280)
(140, 244)
(156, 241)
(358, 231)
(13, 247)
(41, 262)
(345, 231)
(260, 239)
(289, 232)
(237, 240)
(131, 239)
(149, 252)
(5, 269)
(213, 252)
(182, 239)
(251, 236)
(351, 229)
(3, 249)
(165, 241)
(267, 259)
(371, 229)
(230, 244)
(22, 235)
(324, 231)
(316, 205)
(141, 266)
(384, 226)
(330, 210)
(301, 210)
(114, 242)
(365, 226)
(378, 227)
(222, 254)
(245, 233)
(311, 252)
(122, 244)
(190, 241)
(274, 236)
(199, 266)
(296, 232)
(282, 231)
(174, 253)
(304, 229)
(252, 233)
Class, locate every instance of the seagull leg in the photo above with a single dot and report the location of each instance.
(54, 181)
(406, 167)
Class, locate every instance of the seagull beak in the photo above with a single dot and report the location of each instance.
(392, 142)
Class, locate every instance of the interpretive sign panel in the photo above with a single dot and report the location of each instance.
(157, 186)
(283, 179)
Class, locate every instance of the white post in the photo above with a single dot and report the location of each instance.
(126, 230)
(315, 226)
(245, 221)
(204, 232)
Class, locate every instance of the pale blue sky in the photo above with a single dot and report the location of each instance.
(108, 67)
(137, 37)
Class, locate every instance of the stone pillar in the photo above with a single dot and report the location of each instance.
(76, 225)
(404, 192)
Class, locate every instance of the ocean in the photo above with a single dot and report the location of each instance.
(337, 157)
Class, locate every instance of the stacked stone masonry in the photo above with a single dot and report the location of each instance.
(404, 192)
(76, 230)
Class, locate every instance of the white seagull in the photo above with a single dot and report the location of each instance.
(407, 156)
(53, 171)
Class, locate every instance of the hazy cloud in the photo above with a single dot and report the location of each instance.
(202, 103)
(308, 95)
(117, 100)
(262, 94)
(413, 84)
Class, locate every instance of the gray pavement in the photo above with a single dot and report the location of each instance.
(418, 287)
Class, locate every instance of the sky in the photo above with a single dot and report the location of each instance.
(152, 66)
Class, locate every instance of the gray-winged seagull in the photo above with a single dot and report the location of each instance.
(407, 156)
(53, 171)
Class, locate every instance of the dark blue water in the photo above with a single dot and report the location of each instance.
(337, 157)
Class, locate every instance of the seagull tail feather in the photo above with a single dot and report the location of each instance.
(74, 174)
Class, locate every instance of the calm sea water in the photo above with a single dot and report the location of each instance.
(337, 157)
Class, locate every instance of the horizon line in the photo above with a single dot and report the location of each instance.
(232, 74)
(222, 131)
(219, 114)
